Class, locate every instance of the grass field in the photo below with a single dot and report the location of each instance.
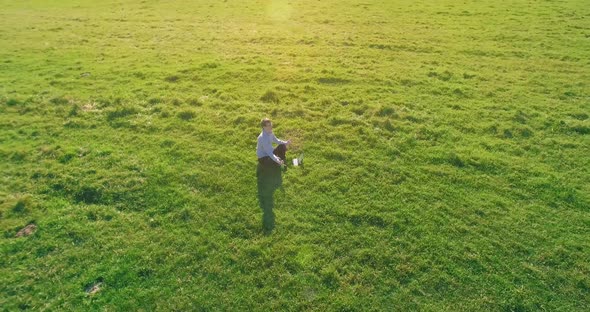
(447, 153)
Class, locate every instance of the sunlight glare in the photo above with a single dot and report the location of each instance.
(279, 10)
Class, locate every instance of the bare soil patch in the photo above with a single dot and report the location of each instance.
(27, 230)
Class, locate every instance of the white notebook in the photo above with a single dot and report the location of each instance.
(298, 161)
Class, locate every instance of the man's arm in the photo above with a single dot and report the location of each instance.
(267, 147)
(276, 140)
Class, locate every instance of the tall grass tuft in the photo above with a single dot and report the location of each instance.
(12, 102)
(187, 115)
(270, 97)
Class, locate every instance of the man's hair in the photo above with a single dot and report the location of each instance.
(264, 122)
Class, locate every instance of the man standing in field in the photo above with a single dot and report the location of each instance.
(268, 172)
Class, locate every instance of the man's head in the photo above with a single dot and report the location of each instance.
(266, 125)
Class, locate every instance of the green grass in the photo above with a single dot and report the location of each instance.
(447, 155)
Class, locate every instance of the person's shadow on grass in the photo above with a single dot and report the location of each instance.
(269, 180)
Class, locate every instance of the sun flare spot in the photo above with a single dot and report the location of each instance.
(279, 10)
